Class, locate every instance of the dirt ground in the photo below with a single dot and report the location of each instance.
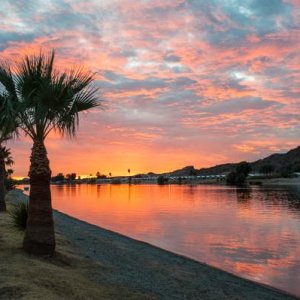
(67, 275)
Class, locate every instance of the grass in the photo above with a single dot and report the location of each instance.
(67, 275)
(18, 213)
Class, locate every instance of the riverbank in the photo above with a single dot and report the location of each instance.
(283, 181)
(95, 263)
(67, 275)
(184, 181)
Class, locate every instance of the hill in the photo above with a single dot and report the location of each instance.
(282, 162)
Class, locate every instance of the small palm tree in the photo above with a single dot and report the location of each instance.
(42, 99)
(5, 155)
(7, 128)
(5, 160)
(2, 178)
(8, 162)
(129, 178)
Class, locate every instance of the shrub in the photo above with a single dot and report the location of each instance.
(230, 179)
(243, 168)
(162, 180)
(240, 179)
(9, 184)
(239, 176)
(19, 214)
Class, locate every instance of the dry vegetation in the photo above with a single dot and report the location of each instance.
(67, 275)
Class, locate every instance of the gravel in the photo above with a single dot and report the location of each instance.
(151, 270)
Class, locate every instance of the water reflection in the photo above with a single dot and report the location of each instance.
(243, 194)
(251, 232)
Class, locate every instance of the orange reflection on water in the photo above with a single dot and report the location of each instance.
(251, 232)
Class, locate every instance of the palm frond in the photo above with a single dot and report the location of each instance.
(6, 78)
(8, 116)
(6, 152)
(46, 97)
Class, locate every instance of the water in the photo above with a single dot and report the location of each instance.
(253, 233)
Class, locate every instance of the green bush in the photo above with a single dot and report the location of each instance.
(239, 176)
(230, 179)
(162, 180)
(234, 178)
(19, 213)
(243, 168)
(240, 179)
(10, 184)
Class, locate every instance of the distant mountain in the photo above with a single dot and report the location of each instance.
(219, 169)
(186, 171)
(280, 162)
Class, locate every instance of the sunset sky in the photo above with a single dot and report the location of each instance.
(191, 82)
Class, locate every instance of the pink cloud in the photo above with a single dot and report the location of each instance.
(169, 66)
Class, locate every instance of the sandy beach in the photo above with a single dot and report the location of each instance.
(120, 267)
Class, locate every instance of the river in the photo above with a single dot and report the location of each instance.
(252, 232)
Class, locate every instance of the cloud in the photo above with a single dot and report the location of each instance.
(172, 58)
(238, 105)
(179, 79)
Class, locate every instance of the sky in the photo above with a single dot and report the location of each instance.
(182, 82)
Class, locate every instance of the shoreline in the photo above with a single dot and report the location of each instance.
(280, 181)
(127, 239)
(149, 270)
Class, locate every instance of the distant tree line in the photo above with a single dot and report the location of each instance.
(239, 176)
(282, 171)
(60, 177)
(267, 169)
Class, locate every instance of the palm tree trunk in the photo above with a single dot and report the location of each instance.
(2, 181)
(39, 236)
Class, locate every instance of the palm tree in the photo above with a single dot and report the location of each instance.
(2, 178)
(5, 160)
(8, 162)
(42, 99)
(7, 128)
(129, 178)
